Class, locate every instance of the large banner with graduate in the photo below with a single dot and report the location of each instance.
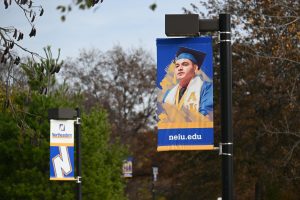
(185, 94)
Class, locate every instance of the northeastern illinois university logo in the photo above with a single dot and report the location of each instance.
(62, 127)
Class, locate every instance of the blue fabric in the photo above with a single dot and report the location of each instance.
(55, 151)
(166, 94)
(206, 98)
(187, 56)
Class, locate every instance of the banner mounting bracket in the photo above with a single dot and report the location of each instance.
(221, 149)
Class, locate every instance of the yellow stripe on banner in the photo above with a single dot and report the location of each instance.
(63, 179)
(175, 125)
(62, 144)
(187, 147)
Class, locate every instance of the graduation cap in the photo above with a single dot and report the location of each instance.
(193, 55)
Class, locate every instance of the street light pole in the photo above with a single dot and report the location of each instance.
(226, 106)
(155, 173)
(78, 155)
(64, 114)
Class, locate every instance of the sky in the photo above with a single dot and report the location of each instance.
(129, 23)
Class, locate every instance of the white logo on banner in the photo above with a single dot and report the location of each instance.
(61, 163)
(61, 132)
(62, 127)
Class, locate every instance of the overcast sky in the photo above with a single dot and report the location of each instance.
(129, 23)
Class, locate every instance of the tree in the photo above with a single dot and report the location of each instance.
(24, 145)
(120, 81)
(81, 4)
(10, 36)
(39, 74)
(102, 161)
(86, 4)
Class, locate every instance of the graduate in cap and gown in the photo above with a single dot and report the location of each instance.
(191, 92)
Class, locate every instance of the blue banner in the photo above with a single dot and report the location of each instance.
(61, 163)
(185, 94)
(127, 167)
(62, 150)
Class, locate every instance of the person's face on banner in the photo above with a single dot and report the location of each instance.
(184, 70)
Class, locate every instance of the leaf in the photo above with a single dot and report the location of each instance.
(89, 3)
(153, 6)
(33, 18)
(58, 7)
(82, 6)
(5, 4)
(15, 34)
(12, 44)
(63, 18)
(57, 68)
(20, 37)
(42, 12)
(17, 60)
(62, 8)
(32, 32)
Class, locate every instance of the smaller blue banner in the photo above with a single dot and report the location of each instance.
(62, 163)
(127, 167)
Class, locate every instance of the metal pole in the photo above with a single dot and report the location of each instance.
(226, 106)
(154, 179)
(153, 186)
(153, 191)
(78, 155)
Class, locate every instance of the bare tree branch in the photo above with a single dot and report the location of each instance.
(261, 55)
